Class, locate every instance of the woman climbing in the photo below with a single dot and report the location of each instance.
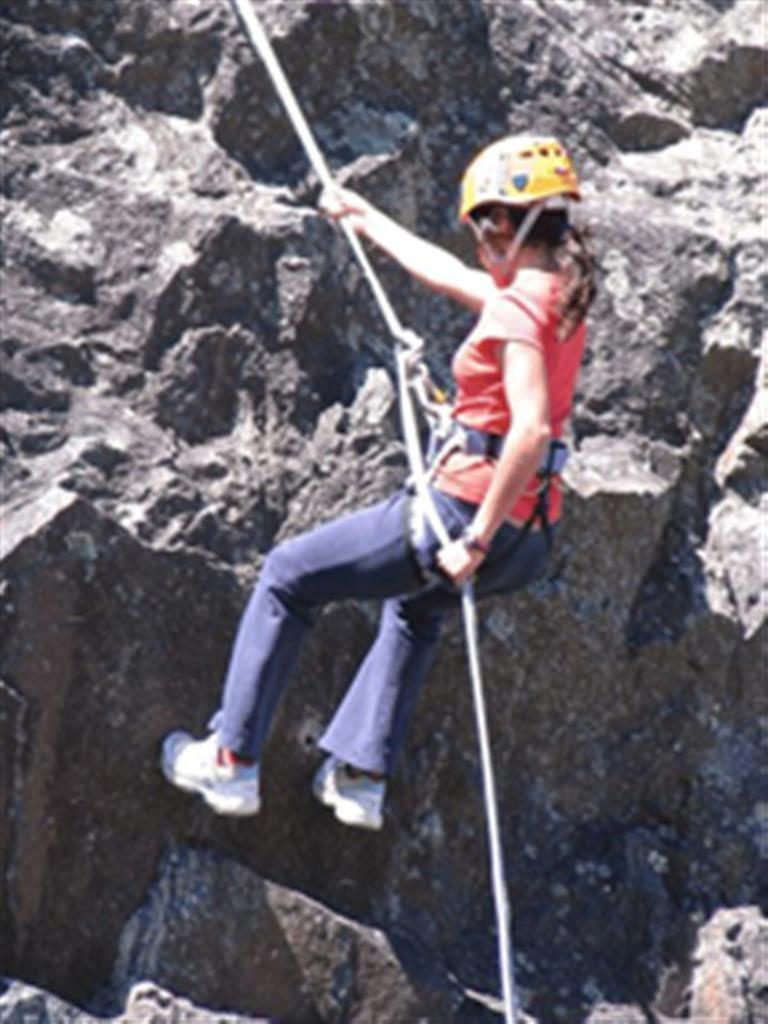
(494, 483)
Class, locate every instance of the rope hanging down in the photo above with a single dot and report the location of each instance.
(263, 47)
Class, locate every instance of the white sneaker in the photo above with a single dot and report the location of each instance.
(356, 800)
(192, 765)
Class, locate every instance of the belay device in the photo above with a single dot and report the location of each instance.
(404, 360)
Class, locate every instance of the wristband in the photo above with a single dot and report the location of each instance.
(473, 543)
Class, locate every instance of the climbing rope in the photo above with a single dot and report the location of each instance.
(405, 350)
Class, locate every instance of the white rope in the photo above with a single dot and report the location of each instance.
(263, 47)
(498, 879)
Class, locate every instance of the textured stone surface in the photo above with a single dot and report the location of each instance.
(730, 976)
(92, 690)
(27, 1004)
(147, 1003)
(276, 950)
(192, 368)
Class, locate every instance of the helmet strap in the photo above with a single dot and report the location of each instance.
(523, 231)
(481, 226)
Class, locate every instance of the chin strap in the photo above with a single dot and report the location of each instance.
(523, 231)
(481, 225)
(407, 359)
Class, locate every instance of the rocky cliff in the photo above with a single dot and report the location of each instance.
(192, 368)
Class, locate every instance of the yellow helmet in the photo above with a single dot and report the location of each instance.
(518, 170)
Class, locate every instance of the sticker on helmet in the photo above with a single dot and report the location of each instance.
(520, 181)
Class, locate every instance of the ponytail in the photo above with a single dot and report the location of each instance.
(578, 271)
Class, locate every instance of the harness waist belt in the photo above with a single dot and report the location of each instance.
(480, 442)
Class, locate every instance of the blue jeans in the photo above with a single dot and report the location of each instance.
(362, 556)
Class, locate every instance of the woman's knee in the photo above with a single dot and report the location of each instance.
(282, 569)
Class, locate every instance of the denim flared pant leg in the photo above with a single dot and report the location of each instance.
(369, 726)
(361, 556)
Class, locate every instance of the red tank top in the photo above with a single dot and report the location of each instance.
(523, 313)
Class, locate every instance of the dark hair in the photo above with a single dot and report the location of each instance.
(570, 245)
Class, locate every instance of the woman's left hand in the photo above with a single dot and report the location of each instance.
(457, 561)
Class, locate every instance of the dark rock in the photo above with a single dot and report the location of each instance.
(18, 392)
(50, 85)
(639, 383)
(197, 397)
(170, 55)
(278, 952)
(741, 465)
(193, 368)
(727, 86)
(368, 110)
(39, 441)
(105, 457)
(72, 580)
(48, 16)
(646, 130)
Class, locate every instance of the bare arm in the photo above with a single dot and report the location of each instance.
(525, 385)
(428, 263)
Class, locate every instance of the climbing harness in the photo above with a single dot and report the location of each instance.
(406, 355)
(456, 436)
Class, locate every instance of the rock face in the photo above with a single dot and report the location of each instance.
(147, 1003)
(192, 368)
(275, 949)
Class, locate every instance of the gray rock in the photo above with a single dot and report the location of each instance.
(730, 968)
(277, 952)
(73, 581)
(192, 368)
(611, 1014)
(147, 1003)
(26, 1004)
